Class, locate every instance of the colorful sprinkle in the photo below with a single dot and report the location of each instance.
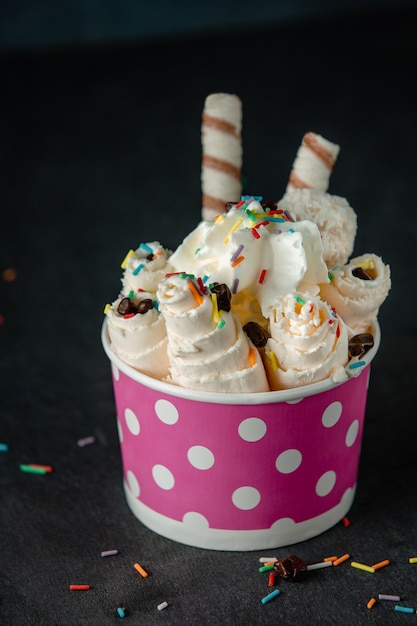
(32, 469)
(86, 441)
(255, 233)
(120, 612)
(107, 309)
(412, 559)
(162, 606)
(109, 552)
(79, 587)
(237, 261)
(195, 293)
(271, 579)
(299, 300)
(384, 596)
(140, 569)
(270, 596)
(330, 558)
(48, 469)
(126, 259)
(267, 559)
(380, 564)
(4, 447)
(215, 314)
(273, 360)
(341, 559)
(252, 357)
(404, 609)
(221, 324)
(232, 230)
(266, 568)
(145, 247)
(365, 568)
(371, 603)
(138, 269)
(353, 366)
(319, 565)
(235, 285)
(236, 253)
(262, 276)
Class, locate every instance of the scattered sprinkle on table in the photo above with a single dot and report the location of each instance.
(346, 521)
(381, 564)
(79, 587)
(4, 447)
(319, 565)
(270, 596)
(341, 559)
(271, 579)
(109, 552)
(140, 569)
(162, 606)
(266, 568)
(34, 468)
(267, 559)
(412, 559)
(86, 441)
(120, 611)
(371, 603)
(362, 566)
(404, 609)
(384, 596)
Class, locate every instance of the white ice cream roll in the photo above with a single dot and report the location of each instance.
(221, 153)
(139, 339)
(335, 218)
(313, 163)
(145, 267)
(357, 290)
(308, 343)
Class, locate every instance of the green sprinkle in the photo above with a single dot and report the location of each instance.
(131, 294)
(266, 568)
(197, 251)
(29, 469)
(250, 215)
(300, 300)
(331, 276)
(221, 324)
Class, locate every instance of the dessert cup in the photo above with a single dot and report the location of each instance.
(245, 471)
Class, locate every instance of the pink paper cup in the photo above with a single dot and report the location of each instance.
(239, 471)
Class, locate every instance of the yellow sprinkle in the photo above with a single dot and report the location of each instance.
(412, 559)
(341, 559)
(273, 360)
(380, 564)
(371, 603)
(366, 264)
(107, 308)
(216, 316)
(232, 230)
(365, 568)
(218, 218)
(140, 569)
(195, 293)
(127, 257)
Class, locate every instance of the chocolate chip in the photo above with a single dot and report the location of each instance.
(126, 306)
(150, 257)
(258, 335)
(145, 305)
(360, 272)
(290, 568)
(359, 344)
(224, 296)
(269, 204)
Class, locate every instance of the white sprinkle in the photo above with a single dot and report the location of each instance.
(86, 441)
(162, 606)
(109, 552)
(267, 559)
(319, 565)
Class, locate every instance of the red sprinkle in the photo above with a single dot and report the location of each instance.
(271, 579)
(255, 233)
(345, 521)
(262, 276)
(128, 315)
(79, 587)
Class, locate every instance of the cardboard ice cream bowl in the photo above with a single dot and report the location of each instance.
(239, 471)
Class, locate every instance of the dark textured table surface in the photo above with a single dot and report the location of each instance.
(100, 150)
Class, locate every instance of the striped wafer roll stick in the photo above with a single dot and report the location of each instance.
(221, 153)
(313, 163)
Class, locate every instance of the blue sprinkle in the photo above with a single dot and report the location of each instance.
(155, 305)
(353, 366)
(404, 609)
(4, 447)
(291, 230)
(258, 198)
(270, 596)
(146, 248)
(120, 612)
(137, 270)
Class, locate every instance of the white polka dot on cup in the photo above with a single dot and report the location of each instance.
(325, 483)
(252, 429)
(200, 457)
(246, 498)
(163, 477)
(166, 411)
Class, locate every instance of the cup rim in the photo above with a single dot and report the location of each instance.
(265, 397)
